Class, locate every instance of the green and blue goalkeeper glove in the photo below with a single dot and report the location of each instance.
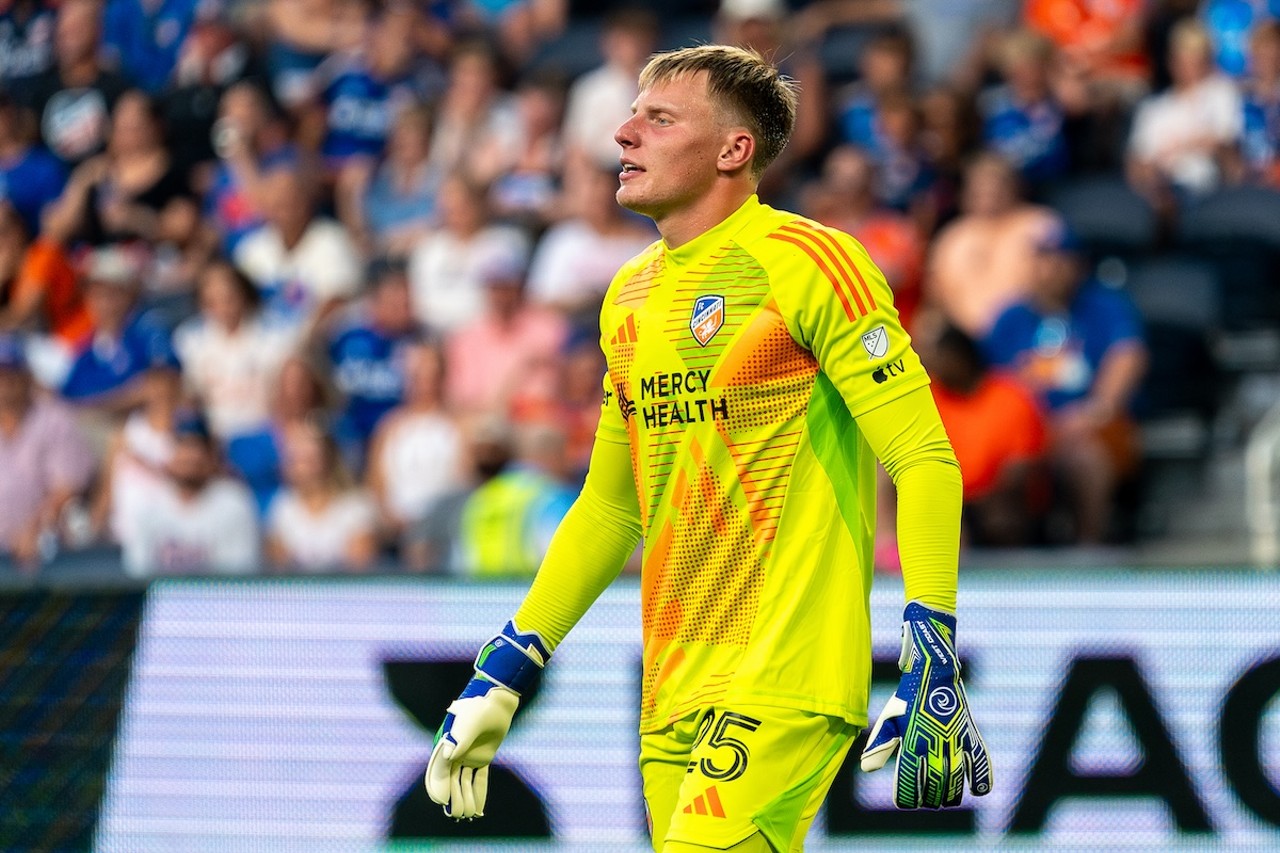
(507, 667)
(928, 719)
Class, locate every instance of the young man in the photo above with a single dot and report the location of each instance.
(756, 370)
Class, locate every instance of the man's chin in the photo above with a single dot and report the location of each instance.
(631, 202)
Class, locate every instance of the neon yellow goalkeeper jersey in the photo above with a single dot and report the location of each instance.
(737, 363)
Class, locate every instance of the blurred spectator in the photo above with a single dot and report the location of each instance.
(908, 182)
(300, 34)
(1078, 346)
(250, 139)
(475, 116)
(600, 100)
(953, 37)
(122, 343)
(360, 93)
(305, 264)
(143, 38)
(885, 68)
(519, 25)
(523, 183)
(1231, 25)
(577, 257)
(506, 524)
(570, 400)
(197, 521)
(212, 58)
(38, 286)
(1103, 41)
(428, 544)
(299, 396)
(512, 345)
(1181, 135)
(45, 463)
(133, 191)
(444, 269)
(1004, 493)
(319, 522)
(1021, 118)
(983, 261)
(950, 131)
(397, 206)
(26, 38)
(230, 356)
(1260, 137)
(138, 455)
(74, 99)
(418, 451)
(764, 26)
(30, 177)
(843, 196)
(367, 351)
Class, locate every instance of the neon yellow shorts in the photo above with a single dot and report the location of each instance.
(717, 776)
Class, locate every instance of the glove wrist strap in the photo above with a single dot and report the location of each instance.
(928, 632)
(513, 659)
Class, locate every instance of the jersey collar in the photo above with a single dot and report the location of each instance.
(714, 237)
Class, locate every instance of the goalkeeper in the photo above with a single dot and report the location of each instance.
(756, 371)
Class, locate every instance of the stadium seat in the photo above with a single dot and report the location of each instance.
(1111, 219)
(1178, 299)
(1238, 231)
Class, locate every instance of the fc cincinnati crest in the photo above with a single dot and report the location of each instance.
(876, 342)
(708, 317)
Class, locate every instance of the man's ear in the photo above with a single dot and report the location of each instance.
(738, 151)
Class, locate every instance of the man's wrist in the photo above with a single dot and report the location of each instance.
(513, 659)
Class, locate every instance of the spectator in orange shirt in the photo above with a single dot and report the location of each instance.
(1104, 39)
(1000, 437)
(38, 282)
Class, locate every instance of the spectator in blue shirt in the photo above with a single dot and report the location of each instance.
(367, 352)
(30, 177)
(1232, 24)
(300, 396)
(143, 37)
(1260, 137)
(1020, 118)
(250, 139)
(1078, 346)
(361, 93)
(885, 69)
(122, 344)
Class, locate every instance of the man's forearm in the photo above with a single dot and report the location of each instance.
(908, 437)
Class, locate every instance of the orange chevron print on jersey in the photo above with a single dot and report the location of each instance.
(717, 352)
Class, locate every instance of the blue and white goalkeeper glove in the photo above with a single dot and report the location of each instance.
(928, 718)
(507, 667)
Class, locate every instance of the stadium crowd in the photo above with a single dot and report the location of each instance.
(310, 285)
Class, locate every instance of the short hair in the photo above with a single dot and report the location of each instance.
(742, 82)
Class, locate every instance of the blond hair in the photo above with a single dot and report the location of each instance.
(742, 83)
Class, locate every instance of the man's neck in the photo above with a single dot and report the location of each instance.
(688, 223)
